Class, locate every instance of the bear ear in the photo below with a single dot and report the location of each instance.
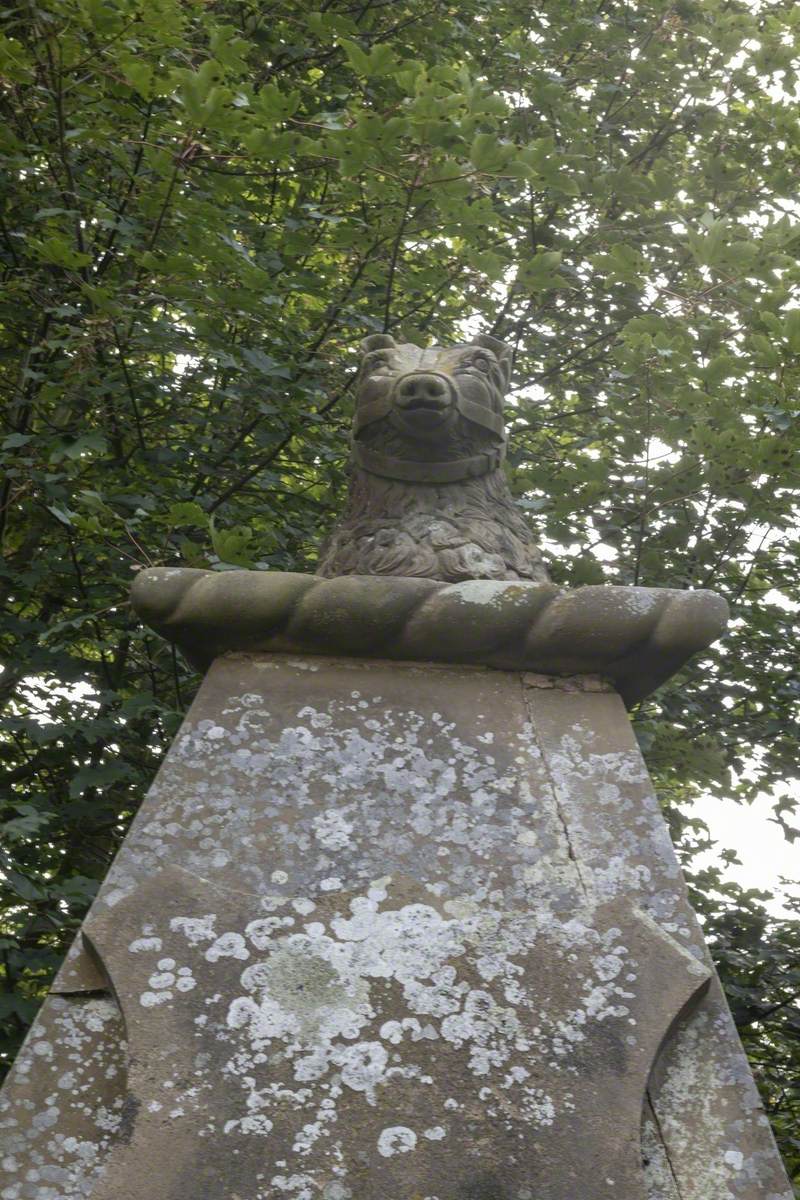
(378, 341)
(504, 353)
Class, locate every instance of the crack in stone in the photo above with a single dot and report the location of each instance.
(554, 791)
(650, 1108)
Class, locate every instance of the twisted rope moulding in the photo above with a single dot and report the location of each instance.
(634, 637)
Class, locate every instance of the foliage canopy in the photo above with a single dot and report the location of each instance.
(205, 205)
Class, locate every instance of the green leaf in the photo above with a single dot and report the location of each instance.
(540, 271)
(23, 887)
(84, 445)
(101, 776)
(381, 61)
(234, 545)
(721, 368)
(409, 74)
(265, 365)
(276, 104)
(139, 74)
(488, 153)
(59, 251)
(791, 329)
(187, 512)
(62, 514)
(356, 57)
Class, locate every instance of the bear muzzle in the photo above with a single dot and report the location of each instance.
(423, 401)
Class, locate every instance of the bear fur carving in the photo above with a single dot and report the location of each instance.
(428, 496)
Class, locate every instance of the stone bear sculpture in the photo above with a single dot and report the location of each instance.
(428, 496)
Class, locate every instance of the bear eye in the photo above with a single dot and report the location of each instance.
(376, 366)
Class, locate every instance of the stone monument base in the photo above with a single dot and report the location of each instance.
(383, 931)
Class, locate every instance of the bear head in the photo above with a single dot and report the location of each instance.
(432, 415)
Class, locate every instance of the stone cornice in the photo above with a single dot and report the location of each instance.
(634, 637)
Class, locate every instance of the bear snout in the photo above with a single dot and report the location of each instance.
(422, 389)
(423, 401)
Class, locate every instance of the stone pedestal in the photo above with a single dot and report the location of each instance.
(390, 930)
